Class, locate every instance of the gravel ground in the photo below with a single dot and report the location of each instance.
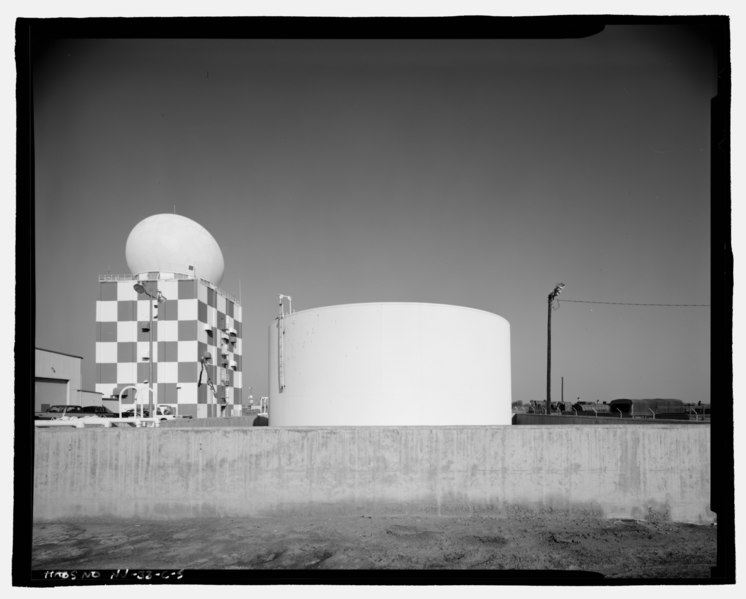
(612, 548)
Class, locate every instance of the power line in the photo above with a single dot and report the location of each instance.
(634, 304)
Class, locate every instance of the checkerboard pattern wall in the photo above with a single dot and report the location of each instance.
(195, 319)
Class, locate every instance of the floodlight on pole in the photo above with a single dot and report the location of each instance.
(140, 288)
(550, 301)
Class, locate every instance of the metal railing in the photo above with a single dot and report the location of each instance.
(103, 278)
(171, 277)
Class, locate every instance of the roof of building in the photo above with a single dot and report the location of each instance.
(51, 351)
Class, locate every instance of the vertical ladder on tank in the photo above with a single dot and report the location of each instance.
(281, 339)
(281, 352)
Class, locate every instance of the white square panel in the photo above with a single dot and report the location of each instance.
(126, 290)
(143, 350)
(237, 312)
(212, 316)
(126, 372)
(168, 330)
(202, 293)
(201, 332)
(169, 289)
(106, 352)
(127, 331)
(143, 310)
(106, 311)
(237, 379)
(221, 303)
(187, 394)
(187, 309)
(186, 351)
(168, 372)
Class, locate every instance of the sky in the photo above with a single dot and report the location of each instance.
(479, 173)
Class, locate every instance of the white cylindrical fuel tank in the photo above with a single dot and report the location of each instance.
(389, 364)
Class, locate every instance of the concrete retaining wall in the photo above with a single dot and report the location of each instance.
(615, 471)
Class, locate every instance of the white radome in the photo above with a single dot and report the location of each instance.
(173, 243)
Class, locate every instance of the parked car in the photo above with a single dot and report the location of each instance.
(131, 413)
(55, 412)
(101, 411)
(166, 413)
(163, 413)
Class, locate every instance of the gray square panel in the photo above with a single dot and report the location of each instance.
(187, 330)
(188, 410)
(126, 310)
(168, 351)
(187, 290)
(167, 393)
(168, 310)
(143, 334)
(188, 372)
(126, 351)
(107, 292)
(106, 331)
(107, 373)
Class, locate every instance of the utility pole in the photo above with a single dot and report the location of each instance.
(158, 296)
(550, 300)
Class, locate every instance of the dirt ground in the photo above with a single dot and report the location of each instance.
(613, 548)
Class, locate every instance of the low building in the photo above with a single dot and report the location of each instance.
(57, 378)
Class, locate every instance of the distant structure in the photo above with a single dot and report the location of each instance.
(167, 328)
(389, 364)
(57, 381)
